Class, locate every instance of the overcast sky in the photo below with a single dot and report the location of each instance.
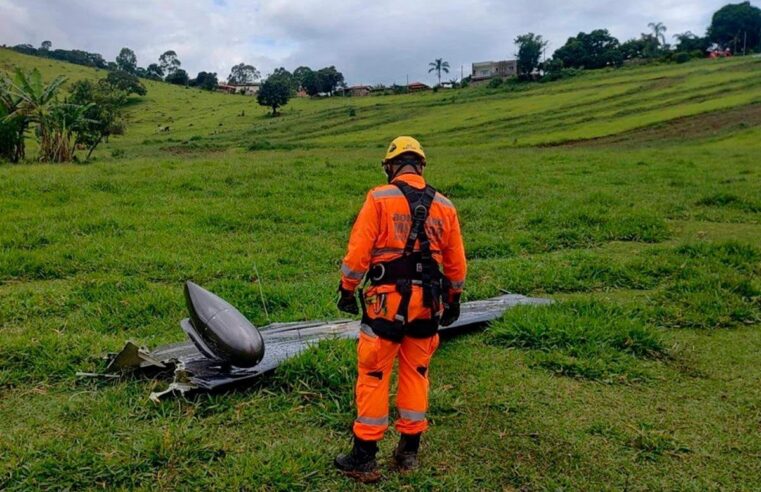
(369, 41)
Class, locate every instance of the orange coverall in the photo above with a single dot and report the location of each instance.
(379, 235)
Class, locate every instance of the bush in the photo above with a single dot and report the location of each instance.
(682, 57)
(494, 83)
(563, 73)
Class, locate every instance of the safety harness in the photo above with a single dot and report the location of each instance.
(413, 267)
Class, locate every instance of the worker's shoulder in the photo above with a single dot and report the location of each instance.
(385, 191)
(443, 200)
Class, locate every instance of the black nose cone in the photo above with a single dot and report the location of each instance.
(219, 330)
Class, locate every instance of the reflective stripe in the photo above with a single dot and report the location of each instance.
(387, 192)
(397, 251)
(439, 198)
(411, 415)
(367, 330)
(348, 272)
(373, 420)
(383, 251)
(458, 285)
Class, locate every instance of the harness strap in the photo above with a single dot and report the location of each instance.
(420, 205)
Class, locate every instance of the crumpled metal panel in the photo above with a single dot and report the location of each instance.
(196, 372)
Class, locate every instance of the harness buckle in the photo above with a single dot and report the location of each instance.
(382, 268)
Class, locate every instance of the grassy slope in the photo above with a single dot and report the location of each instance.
(663, 231)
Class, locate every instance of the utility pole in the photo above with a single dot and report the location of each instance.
(462, 72)
(745, 42)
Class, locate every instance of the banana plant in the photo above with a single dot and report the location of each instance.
(35, 102)
(12, 128)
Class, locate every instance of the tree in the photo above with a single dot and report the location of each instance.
(26, 49)
(154, 72)
(689, 42)
(633, 48)
(127, 60)
(659, 31)
(205, 80)
(46, 45)
(287, 77)
(178, 77)
(242, 74)
(126, 82)
(646, 46)
(169, 62)
(311, 83)
(104, 115)
(597, 49)
(274, 93)
(438, 65)
(736, 26)
(329, 79)
(301, 74)
(530, 47)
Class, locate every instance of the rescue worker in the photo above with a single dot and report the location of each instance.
(404, 234)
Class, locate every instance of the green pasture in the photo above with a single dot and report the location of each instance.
(610, 193)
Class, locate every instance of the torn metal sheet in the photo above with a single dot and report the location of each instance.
(194, 371)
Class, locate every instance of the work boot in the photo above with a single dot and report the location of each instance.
(405, 454)
(360, 462)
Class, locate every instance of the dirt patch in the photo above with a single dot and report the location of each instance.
(703, 125)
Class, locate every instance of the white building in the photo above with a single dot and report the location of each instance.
(490, 69)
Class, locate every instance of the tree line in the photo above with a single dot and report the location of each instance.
(735, 27)
(281, 85)
(168, 68)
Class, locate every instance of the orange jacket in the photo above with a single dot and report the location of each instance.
(381, 229)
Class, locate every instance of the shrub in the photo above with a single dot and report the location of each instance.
(495, 82)
(682, 57)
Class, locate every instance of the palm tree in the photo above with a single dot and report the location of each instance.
(439, 65)
(658, 31)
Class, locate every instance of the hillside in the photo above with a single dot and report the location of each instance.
(598, 104)
(631, 196)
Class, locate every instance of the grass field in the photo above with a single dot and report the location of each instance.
(632, 197)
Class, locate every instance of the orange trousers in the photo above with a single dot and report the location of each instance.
(376, 357)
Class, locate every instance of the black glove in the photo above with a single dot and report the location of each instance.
(451, 310)
(347, 301)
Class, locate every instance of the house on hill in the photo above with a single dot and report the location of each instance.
(484, 71)
(417, 87)
(358, 90)
(246, 89)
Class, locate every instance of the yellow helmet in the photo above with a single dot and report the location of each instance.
(402, 145)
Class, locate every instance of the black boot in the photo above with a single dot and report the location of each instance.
(360, 462)
(405, 454)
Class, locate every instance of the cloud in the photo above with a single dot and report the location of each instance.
(370, 42)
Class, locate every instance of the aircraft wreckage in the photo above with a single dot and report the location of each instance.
(225, 350)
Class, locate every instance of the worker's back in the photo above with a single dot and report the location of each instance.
(380, 235)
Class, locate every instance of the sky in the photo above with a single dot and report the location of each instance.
(370, 42)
